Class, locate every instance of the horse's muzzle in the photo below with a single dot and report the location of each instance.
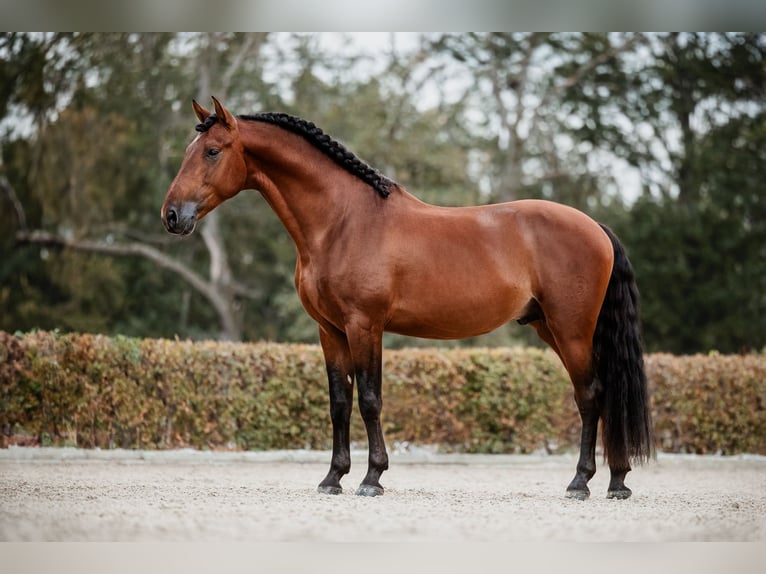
(180, 221)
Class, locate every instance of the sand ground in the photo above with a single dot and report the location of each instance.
(49, 494)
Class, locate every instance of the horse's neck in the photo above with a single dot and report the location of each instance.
(305, 189)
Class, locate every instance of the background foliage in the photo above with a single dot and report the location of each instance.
(95, 391)
(661, 136)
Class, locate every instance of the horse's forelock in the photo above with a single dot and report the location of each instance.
(203, 127)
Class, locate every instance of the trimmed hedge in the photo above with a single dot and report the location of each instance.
(709, 403)
(96, 391)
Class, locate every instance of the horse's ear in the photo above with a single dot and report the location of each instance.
(202, 113)
(223, 115)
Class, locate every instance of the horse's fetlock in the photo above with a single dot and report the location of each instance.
(379, 461)
(341, 464)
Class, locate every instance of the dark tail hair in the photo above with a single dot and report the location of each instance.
(619, 365)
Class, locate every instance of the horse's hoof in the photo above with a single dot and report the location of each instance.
(620, 494)
(329, 489)
(369, 490)
(578, 494)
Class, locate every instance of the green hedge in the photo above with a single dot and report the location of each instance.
(96, 391)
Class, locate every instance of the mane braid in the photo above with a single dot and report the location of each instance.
(324, 143)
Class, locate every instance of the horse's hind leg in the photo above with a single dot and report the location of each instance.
(617, 488)
(619, 467)
(576, 354)
(340, 374)
(586, 398)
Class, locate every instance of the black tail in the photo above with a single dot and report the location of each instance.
(619, 365)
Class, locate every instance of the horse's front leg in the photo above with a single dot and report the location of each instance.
(366, 344)
(340, 374)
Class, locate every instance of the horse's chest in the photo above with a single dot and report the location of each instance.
(322, 294)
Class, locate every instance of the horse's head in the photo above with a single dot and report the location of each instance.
(213, 171)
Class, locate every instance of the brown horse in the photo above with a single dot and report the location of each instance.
(373, 258)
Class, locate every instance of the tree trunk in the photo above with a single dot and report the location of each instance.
(221, 304)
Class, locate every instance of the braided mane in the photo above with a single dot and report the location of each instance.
(320, 140)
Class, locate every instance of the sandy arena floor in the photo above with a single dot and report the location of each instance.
(78, 495)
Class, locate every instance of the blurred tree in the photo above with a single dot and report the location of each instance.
(94, 201)
(519, 88)
(92, 146)
(696, 235)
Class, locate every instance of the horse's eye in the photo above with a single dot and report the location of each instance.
(212, 152)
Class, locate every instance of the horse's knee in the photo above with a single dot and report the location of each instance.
(340, 411)
(370, 406)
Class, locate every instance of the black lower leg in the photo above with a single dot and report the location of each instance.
(341, 401)
(617, 488)
(370, 405)
(586, 465)
(619, 466)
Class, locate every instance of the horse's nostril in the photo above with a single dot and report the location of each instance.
(171, 217)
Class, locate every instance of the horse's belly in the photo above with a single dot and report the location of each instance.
(455, 316)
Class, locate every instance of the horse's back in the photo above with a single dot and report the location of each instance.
(523, 241)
